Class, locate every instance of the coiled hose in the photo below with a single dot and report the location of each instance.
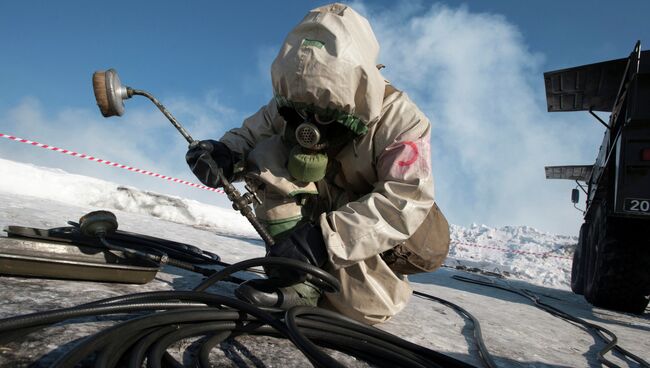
(174, 315)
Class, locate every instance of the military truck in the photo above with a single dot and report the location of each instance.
(611, 264)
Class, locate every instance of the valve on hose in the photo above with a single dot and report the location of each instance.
(110, 95)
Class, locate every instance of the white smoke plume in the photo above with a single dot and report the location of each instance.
(483, 89)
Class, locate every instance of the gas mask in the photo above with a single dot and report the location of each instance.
(311, 136)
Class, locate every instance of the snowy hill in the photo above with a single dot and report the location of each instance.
(516, 333)
(57, 185)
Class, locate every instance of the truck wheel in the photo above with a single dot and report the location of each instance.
(618, 257)
(579, 261)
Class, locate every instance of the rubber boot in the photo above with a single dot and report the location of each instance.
(264, 293)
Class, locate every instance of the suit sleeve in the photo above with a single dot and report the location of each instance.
(263, 124)
(401, 198)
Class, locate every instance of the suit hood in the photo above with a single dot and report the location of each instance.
(328, 62)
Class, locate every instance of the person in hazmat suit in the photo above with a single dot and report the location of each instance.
(341, 162)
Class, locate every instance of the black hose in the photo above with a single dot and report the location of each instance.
(97, 341)
(181, 251)
(133, 326)
(149, 297)
(138, 351)
(112, 353)
(190, 267)
(351, 341)
(316, 356)
(328, 317)
(196, 313)
(160, 258)
(610, 342)
(156, 352)
(208, 345)
(43, 319)
(484, 354)
(321, 278)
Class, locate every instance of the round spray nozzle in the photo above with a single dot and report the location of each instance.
(98, 223)
(110, 95)
(109, 92)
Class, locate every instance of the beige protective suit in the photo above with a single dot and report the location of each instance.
(382, 188)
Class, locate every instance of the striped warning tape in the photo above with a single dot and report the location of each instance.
(505, 250)
(200, 186)
(109, 163)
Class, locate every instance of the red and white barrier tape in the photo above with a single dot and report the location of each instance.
(200, 186)
(505, 250)
(109, 163)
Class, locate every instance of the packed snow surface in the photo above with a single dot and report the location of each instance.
(516, 333)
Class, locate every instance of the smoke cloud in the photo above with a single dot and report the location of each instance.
(483, 90)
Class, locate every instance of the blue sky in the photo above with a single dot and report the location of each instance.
(474, 67)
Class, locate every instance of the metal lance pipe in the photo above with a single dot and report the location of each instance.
(240, 203)
(110, 95)
(168, 115)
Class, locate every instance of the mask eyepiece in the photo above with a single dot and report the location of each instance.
(324, 120)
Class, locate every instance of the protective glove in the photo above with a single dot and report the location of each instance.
(197, 158)
(305, 244)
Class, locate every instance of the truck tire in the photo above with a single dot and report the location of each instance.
(579, 264)
(618, 255)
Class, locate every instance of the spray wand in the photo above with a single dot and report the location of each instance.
(110, 95)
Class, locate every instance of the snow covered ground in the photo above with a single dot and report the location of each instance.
(516, 333)
(521, 252)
